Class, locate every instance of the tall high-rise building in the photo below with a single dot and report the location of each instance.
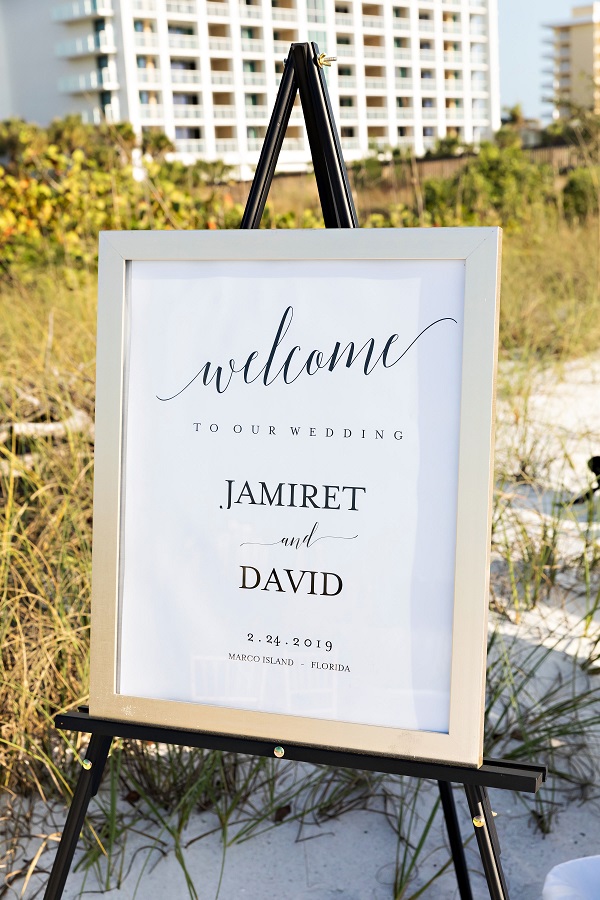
(575, 61)
(206, 71)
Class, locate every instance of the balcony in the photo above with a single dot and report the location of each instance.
(149, 76)
(151, 111)
(350, 143)
(314, 15)
(145, 40)
(427, 55)
(221, 10)
(293, 144)
(374, 52)
(143, 5)
(426, 25)
(82, 9)
(401, 23)
(191, 145)
(188, 111)
(256, 112)
(428, 84)
(252, 45)
(453, 57)
(219, 44)
(344, 50)
(404, 84)
(182, 7)
(348, 112)
(255, 143)
(453, 85)
(88, 45)
(452, 28)
(377, 112)
(227, 145)
(183, 42)
(104, 79)
(429, 112)
(250, 12)
(402, 53)
(255, 78)
(224, 112)
(455, 113)
(405, 112)
(221, 77)
(283, 14)
(346, 81)
(373, 22)
(344, 19)
(186, 76)
(375, 84)
(281, 48)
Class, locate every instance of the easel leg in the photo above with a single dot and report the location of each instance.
(456, 844)
(487, 839)
(87, 786)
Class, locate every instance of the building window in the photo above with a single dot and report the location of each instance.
(346, 101)
(428, 131)
(347, 131)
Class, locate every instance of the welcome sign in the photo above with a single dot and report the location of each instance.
(292, 502)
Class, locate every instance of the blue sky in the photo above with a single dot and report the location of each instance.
(521, 49)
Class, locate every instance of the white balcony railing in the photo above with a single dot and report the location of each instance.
(281, 48)
(183, 41)
(103, 79)
(344, 50)
(371, 52)
(226, 145)
(252, 45)
(82, 9)
(151, 111)
(455, 112)
(224, 112)
(293, 144)
(220, 10)
(427, 84)
(401, 23)
(256, 112)
(88, 45)
(186, 76)
(188, 111)
(350, 143)
(453, 84)
(427, 55)
(377, 112)
(426, 25)
(373, 22)
(221, 77)
(283, 14)
(191, 145)
(149, 76)
(314, 15)
(405, 112)
(255, 78)
(375, 84)
(451, 27)
(348, 112)
(254, 143)
(250, 12)
(145, 40)
(402, 53)
(143, 5)
(346, 81)
(453, 56)
(220, 44)
(344, 19)
(182, 7)
(404, 84)
(429, 112)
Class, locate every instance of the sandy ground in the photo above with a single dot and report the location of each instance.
(354, 857)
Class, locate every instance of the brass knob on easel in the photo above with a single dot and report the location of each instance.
(324, 60)
(478, 821)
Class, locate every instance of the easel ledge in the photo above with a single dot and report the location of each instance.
(502, 774)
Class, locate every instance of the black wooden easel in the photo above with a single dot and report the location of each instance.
(303, 73)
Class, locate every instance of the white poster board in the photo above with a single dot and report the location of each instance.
(293, 420)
